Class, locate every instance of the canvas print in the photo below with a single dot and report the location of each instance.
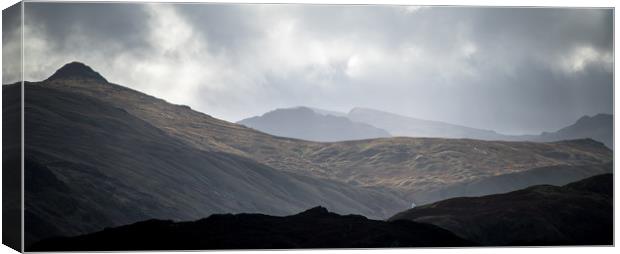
(205, 126)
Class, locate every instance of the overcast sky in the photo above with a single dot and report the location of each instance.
(513, 70)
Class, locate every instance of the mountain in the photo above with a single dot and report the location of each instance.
(580, 213)
(76, 71)
(90, 164)
(103, 155)
(599, 127)
(314, 228)
(305, 123)
(398, 125)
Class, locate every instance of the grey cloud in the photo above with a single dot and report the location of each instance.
(11, 44)
(517, 70)
(103, 25)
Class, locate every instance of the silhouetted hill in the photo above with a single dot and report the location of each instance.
(314, 228)
(579, 213)
(304, 123)
(554, 175)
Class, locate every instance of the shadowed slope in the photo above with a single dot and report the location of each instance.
(91, 165)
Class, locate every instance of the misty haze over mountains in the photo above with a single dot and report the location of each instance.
(320, 125)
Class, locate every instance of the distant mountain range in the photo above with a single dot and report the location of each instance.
(305, 123)
(580, 213)
(102, 155)
(598, 127)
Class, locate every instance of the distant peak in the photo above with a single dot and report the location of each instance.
(597, 117)
(584, 118)
(76, 70)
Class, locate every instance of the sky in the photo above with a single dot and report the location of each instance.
(512, 70)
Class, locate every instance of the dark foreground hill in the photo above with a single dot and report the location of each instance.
(314, 228)
(552, 175)
(580, 213)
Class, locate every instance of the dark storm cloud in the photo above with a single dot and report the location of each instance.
(512, 70)
(104, 25)
(11, 20)
(225, 26)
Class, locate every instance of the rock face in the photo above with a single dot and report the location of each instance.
(580, 213)
(315, 228)
(304, 123)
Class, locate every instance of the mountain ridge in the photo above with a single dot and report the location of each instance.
(598, 127)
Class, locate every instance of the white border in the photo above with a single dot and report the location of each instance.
(549, 3)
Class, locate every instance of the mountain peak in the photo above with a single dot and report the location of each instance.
(76, 70)
(598, 118)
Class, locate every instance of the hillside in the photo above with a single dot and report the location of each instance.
(304, 123)
(314, 228)
(580, 213)
(93, 163)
